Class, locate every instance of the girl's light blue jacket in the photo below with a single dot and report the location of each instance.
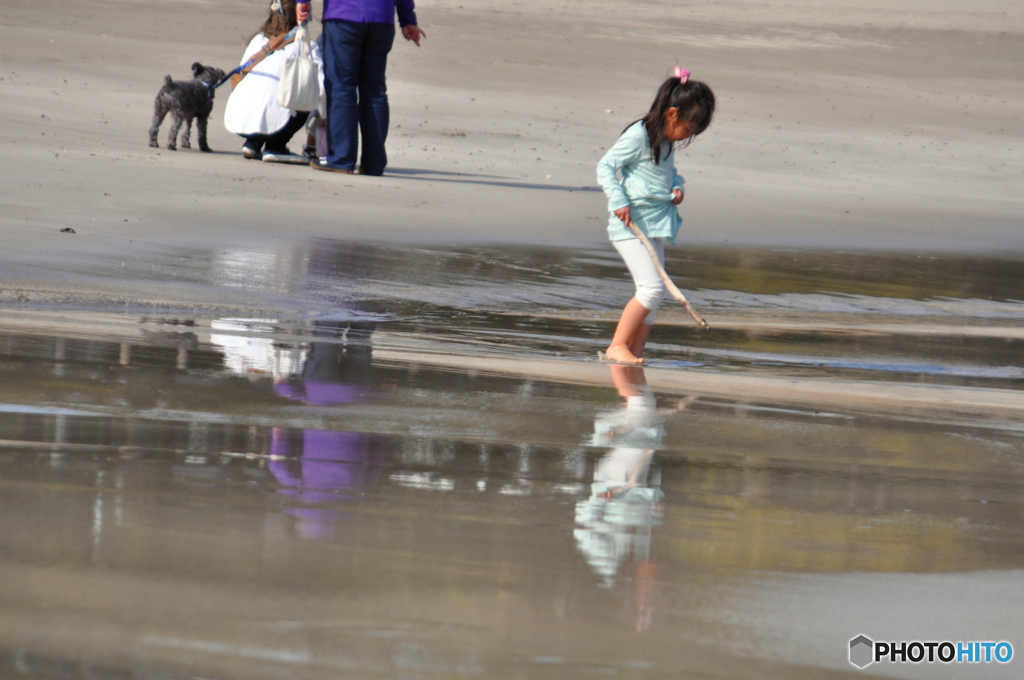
(646, 187)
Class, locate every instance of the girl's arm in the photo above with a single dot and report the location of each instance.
(628, 149)
(678, 190)
(677, 181)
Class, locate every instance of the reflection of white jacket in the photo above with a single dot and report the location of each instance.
(252, 108)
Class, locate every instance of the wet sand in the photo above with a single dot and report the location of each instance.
(260, 422)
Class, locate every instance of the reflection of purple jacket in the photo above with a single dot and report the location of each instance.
(371, 11)
(328, 464)
(319, 394)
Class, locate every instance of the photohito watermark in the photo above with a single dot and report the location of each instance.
(864, 651)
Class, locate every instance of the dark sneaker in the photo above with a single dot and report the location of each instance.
(309, 152)
(321, 164)
(251, 151)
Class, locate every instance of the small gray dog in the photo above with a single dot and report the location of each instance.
(185, 100)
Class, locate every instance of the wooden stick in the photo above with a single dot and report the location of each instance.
(664, 277)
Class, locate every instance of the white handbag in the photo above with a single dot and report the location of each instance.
(299, 88)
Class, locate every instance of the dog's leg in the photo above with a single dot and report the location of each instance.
(172, 134)
(159, 111)
(201, 131)
(185, 143)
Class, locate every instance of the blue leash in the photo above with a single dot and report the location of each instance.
(290, 34)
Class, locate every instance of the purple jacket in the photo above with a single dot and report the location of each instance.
(371, 11)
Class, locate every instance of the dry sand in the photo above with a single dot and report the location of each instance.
(840, 124)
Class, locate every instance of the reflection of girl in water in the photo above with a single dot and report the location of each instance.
(615, 522)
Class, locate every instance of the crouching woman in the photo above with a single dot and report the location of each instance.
(252, 110)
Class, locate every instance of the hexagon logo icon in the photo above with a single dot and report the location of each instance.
(861, 651)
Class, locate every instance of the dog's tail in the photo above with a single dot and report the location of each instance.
(168, 81)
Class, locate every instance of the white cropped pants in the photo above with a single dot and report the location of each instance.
(649, 286)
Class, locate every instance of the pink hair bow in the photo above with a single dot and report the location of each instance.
(683, 74)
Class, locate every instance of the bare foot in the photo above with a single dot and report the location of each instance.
(622, 354)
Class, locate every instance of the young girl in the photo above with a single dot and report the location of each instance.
(252, 110)
(648, 194)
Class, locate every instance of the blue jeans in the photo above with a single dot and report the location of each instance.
(355, 58)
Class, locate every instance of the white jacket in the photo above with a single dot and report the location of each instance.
(252, 108)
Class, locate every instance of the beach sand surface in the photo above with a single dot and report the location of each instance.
(839, 124)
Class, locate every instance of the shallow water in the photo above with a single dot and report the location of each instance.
(301, 495)
(876, 316)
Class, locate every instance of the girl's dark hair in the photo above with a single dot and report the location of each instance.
(693, 100)
(277, 25)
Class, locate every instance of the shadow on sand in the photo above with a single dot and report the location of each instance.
(489, 180)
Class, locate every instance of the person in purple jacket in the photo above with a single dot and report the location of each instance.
(357, 36)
